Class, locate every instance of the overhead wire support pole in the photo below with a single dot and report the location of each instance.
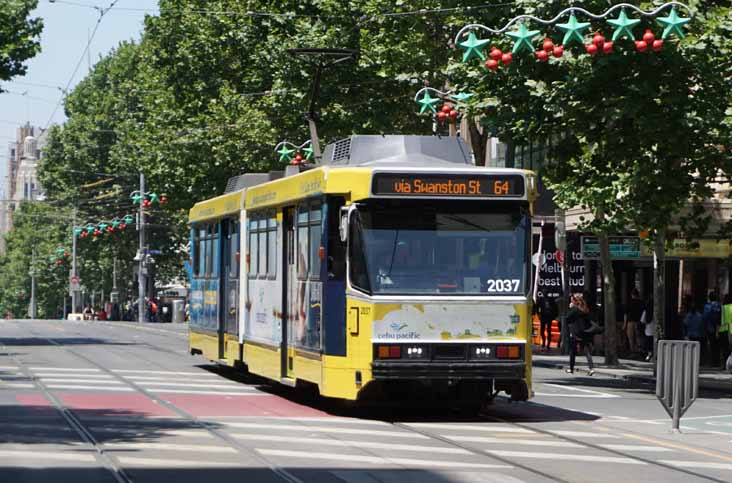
(141, 312)
(74, 274)
(32, 308)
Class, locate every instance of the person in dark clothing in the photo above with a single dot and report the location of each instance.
(578, 321)
(632, 320)
(547, 309)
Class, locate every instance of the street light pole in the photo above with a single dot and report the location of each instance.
(141, 254)
(74, 292)
(32, 308)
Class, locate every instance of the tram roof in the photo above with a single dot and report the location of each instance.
(227, 204)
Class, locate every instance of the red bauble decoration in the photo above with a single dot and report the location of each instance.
(607, 48)
(84, 234)
(558, 51)
(496, 54)
(492, 64)
(542, 55)
(598, 40)
(122, 226)
(67, 254)
(648, 37)
(110, 229)
(453, 114)
(298, 158)
(446, 108)
(163, 199)
(507, 58)
(548, 45)
(641, 46)
(441, 116)
(657, 45)
(591, 49)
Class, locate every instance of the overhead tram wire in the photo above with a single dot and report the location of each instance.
(102, 13)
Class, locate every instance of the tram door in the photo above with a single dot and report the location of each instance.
(289, 291)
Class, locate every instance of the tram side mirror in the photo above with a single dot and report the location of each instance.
(343, 226)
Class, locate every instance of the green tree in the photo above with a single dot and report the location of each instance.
(633, 137)
(18, 36)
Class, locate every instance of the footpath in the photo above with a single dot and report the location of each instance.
(630, 370)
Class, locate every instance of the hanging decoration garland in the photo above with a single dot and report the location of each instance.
(294, 154)
(575, 32)
(117, 224)
(450, 110)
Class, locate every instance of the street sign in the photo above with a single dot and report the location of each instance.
(74, 284)
(677, 377)
(621, 247)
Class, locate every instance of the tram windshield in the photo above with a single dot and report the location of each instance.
(463, 248)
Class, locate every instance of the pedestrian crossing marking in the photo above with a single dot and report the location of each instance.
(584, 434)
(325, 429)
(191, 433)
(171, 463)
(708, 465)
(565, 457)
(63, 369)
(505, 441)
(54, 380)
(377, 459)
(13, 456)
(490, 428)
(216, 393)
(145, 371)
(95, 388)
(171, 447)
(356, 444)
(635, 447)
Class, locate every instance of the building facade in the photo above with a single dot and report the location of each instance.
(21, 174)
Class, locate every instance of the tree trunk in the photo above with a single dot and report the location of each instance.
(478, 141)
(659, 287)
(608, 301)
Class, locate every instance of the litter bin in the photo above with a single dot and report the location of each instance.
(178, 311)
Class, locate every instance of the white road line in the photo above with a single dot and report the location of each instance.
(374, 459)
(634, 447)
(14, 456)
(95, 388)
(584, 396)
(63, 369)
(578, 389)
(356, 444)
(323, 429)
(335, 420)
(157, 431)
(145, 371)
(218, 393)
(16, 385)
(8, 368)
(170, 463)
(565, 457)
(91, 377)
(510, 441)
(698, 464)
(585, 434)
(185, 384)
(202, 448)
(83, 381)
(167, 378)
(489, 428)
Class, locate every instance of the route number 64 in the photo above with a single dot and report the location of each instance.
(503, 285)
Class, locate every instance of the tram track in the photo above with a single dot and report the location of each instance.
(109, 461)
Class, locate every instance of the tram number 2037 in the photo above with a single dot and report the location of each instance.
(503, 285)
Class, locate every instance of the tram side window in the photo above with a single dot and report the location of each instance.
(302, 242)
(271, 246)
(262, 230)
(212, 235)
(316, 230)
(233, 249)
(198, 252)
(253, 258)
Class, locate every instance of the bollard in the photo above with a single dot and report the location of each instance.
(677, 377)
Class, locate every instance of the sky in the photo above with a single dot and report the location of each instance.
(67, 26)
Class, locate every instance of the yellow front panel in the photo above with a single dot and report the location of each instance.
(216, 207)
(208, 344)
(308, 369)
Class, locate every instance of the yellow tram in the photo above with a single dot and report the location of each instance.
(392, 267)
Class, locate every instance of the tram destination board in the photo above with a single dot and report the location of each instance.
(448, 185)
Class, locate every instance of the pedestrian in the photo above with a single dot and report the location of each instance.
(725, 329)
(712, 320)
(648, 321)
(87, 313)
(632, 319)
(547, 309)
(578, 321)
(694, 325)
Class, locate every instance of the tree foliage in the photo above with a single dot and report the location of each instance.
(18, 36)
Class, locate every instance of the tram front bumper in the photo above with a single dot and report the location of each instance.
(390, 370)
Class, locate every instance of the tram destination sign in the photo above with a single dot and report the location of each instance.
(448, 185)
